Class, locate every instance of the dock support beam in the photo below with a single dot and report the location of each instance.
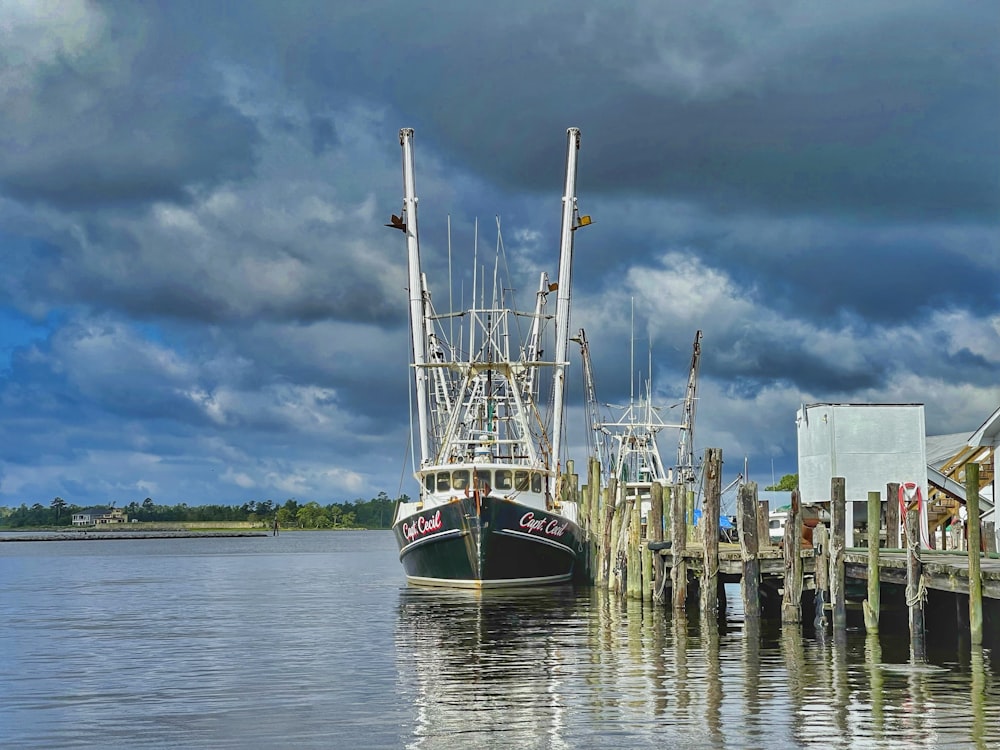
(914, 586)
(838, 508)
(746, 529)
(654, 531)
(710, 532)
(975, 575)
(821, 567)
(678, 539)
(791, 603)
(872, 604)
(892, 520)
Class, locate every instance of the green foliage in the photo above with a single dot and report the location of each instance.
(376, 513)
(788, 483)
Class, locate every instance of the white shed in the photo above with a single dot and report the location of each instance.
(869, 445)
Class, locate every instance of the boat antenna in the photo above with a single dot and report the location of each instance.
(451, 289)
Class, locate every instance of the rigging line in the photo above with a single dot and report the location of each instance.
(402, 471)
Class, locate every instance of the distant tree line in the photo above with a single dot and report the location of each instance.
(787, 483)
(376, 513)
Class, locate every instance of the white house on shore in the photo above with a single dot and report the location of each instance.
(99, 517)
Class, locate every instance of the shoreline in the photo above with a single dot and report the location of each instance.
(82, 536)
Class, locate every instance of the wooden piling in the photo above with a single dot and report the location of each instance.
(975, 576)
(678, 538)
(591, 499)
(607, 553)
(634, 554)
(914, 584)
(821, 574)
(838, 573)
(892, 516)
(618, 562)
(763, 525)
(747, 531)
(872, 604)
(791, 601)
(654, 525)
(710, 532)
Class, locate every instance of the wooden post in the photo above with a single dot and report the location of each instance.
(914, 585)
(596, 520)
(763, 525)
(654, 529)
(634, 554)
(746, 529)
(618, 528)
(838, 508)
(892, 516)
(678, 536)
(710, 532)
(821, 549)
(646, 560)
(654, 525)
(872, 604)
(591, 518)
(791, 601)
(607, 552)
(975, 576)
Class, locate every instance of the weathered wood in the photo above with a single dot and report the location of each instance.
(791, 602)
(821, 574)
(646, 563)
(634, 555)
(975, 577)
(914, 584)
(654, 527)
(597, 519)
(872, 603)
(747, 531)
(838, 511)
(678, 538)
(763, 525)
(607, 553)
(710, 532)
(619, 530)
(990, 535)
(892, 515)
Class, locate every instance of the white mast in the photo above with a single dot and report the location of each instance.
(416, 289)
(562, 303)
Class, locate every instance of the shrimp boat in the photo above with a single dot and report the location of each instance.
(489, 511)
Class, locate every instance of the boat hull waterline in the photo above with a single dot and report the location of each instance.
(499, 544)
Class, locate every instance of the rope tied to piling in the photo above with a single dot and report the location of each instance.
(920, 597)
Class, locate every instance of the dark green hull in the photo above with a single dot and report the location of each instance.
(503, 543)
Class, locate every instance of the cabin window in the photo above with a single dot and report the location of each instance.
(505, 479)
(443, 481)
(483, 478)
(521, 481)
(460, 479)
(536, 482)
(429, 482)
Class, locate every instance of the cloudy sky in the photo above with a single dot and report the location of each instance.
(199, 302)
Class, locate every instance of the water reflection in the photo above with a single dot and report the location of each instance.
(487, 669)
(579, 668)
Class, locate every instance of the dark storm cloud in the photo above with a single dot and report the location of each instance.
(874, 110)
(108, 111)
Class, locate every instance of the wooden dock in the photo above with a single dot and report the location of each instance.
(942, 571)
(667, 558)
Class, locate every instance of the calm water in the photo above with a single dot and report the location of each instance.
(313, 640)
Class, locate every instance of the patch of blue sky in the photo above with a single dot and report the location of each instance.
(17, 331)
